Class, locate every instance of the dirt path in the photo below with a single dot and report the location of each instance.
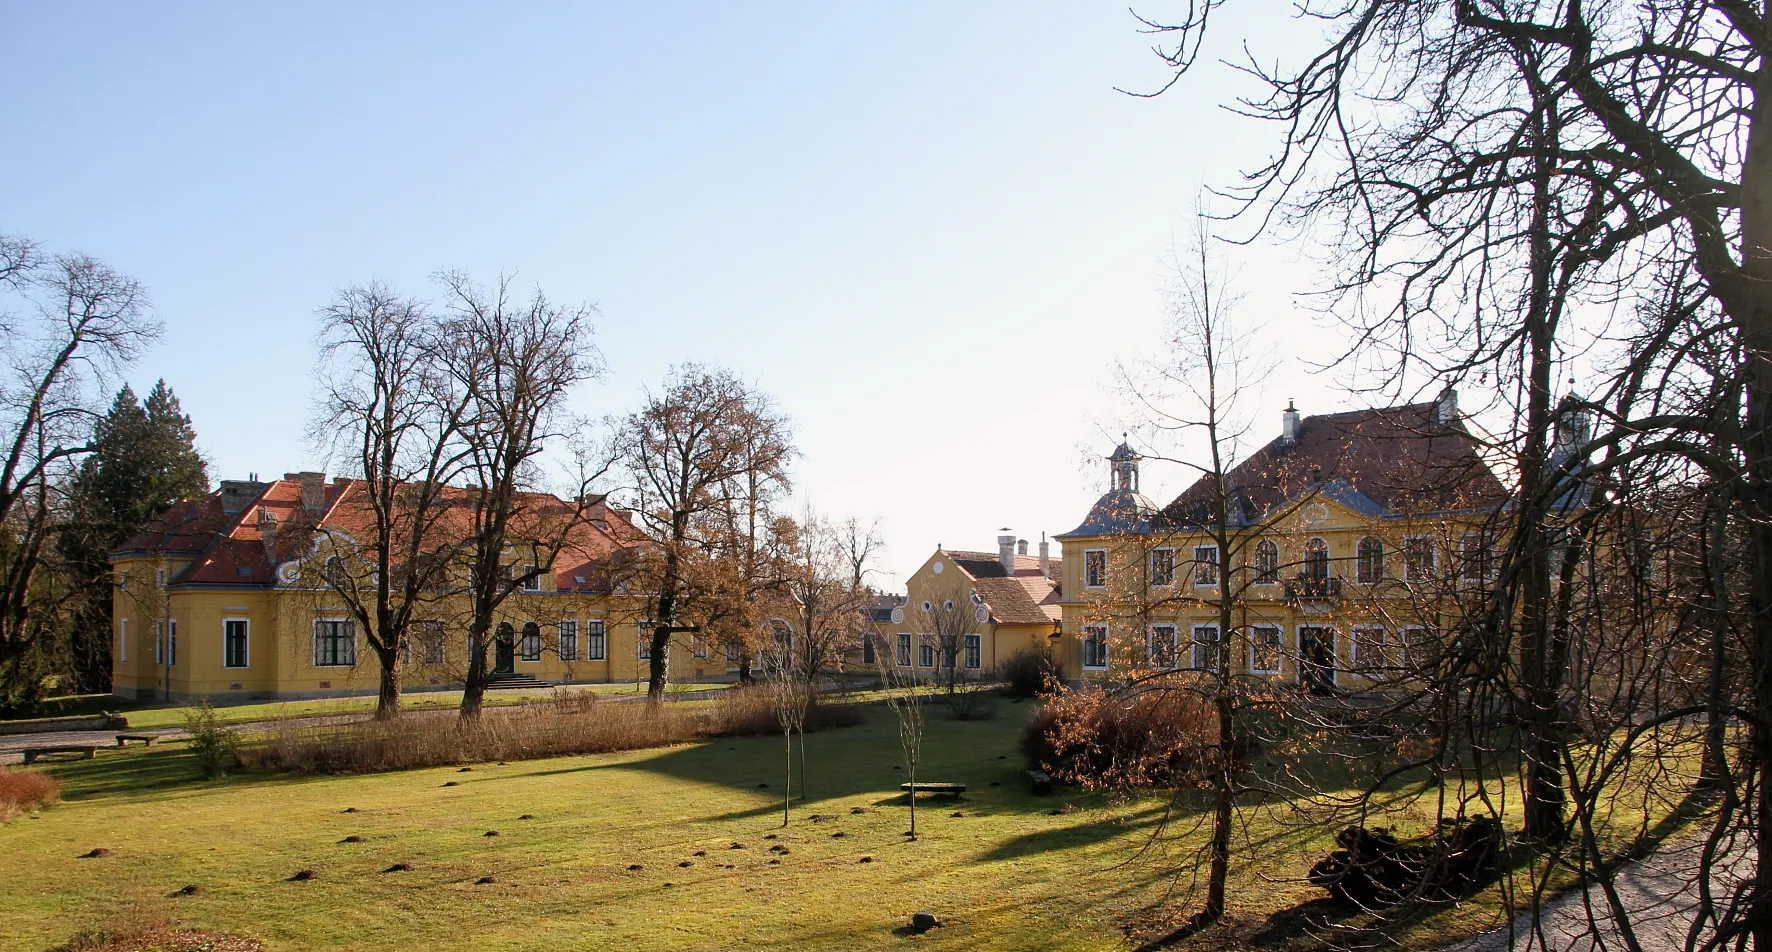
(1660, 893)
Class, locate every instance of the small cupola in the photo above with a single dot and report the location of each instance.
(1124, 463)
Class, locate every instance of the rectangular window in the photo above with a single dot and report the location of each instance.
(1475, 558)
(1369, 561)
(734, 654)
(1205, 565)
(172, 642)
(698, 646)
(926, 651)
(1264, 649)
(904, 649)
(123, 638)
(431, 642)
(1374, 655)
(1095, 648)
(531, 578)
(160, 642)
(568, 639)
(1418, 558)
(335, 643)
(160, 579)
(1162, 566)
(974, 651)
(1094, 568)
(406, 650)
(644, 638)
(1162, 647)
(1206, 647)
(532, 642)
(867, 650)
(235, 646)
(594, 641)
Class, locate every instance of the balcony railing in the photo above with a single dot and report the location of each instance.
(1313, 586)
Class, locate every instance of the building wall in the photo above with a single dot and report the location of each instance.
(997, 642)
(1128, 604)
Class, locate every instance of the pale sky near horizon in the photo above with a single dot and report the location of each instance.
(927, 229)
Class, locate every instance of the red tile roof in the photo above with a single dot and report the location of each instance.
(1025, 598)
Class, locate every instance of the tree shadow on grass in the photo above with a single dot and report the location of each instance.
(152, 772)
(1074, 835)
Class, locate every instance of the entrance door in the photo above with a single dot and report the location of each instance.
(1316, 658)
(504, 650)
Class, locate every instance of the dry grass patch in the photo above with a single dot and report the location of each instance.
(22, 791)
(566, 724)
(158, 939)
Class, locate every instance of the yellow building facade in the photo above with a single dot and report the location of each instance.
(969, 612)
(225, 597)
(1350, 538)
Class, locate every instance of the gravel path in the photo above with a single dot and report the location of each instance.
(1660, 892)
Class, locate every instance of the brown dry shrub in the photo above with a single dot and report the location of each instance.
(1094, 738)
(563, 725)
(22, 791)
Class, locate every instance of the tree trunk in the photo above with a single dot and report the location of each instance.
(474, 691)
(1715, 770)
(1223, 794)
(658, 667)
(913, 773)
(387, 702)
(803, 796)
(787, 787)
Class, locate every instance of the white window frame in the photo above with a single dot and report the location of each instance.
(1411, 565)
(1168, 578)
(1195, 644)
(1101, 580)
(123, 641)
(698, 647)
(928, 651)
(1152, 641)
(1089, 637)
(1206, 572)
(1475, 542)
(568, 635)
(972, 651)
(425, 630)
(531, 578)
(160, 579)
(1279, 646)
(1255, 563)
(1408, 635)
(596, 640)
(351, 627)
(160, 642)
(1360, 575)
(902, 654)
(1360, 641)
(246, 646)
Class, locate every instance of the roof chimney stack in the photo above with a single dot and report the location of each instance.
(1045, 556)
(1006, 552)
(267, 531)
(1021, 546)
(1446, 405)
(1289, 424)
(313, 489)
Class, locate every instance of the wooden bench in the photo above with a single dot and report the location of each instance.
(939, 789)
(1041, 780)
(147, 739)
(32, 753)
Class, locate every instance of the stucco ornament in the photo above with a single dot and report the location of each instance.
(289, 572)
(1313, 515)
(936, 568)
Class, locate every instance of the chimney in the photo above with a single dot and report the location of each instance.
(313, 489)
(1289, 424)
(1045, 556)
(1446, 405)
(1021, 546)
(1006, 552)
(267, 531)
(237, 494)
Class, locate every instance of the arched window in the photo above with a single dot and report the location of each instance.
(531, 641)
(1267, 562)
(1316, 560)
(1369, 565)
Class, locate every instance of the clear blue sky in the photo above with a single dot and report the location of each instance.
(927, 228)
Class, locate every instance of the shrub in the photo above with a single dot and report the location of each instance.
(22, 791)
(1094, 738)
(216, 746)
(972, 702)
(1030, 673)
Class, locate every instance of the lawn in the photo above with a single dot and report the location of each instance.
(1003, 869)
(156, 715)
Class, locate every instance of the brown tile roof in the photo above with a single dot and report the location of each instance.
(230, 547)
(1025, 598)
(1401, 458)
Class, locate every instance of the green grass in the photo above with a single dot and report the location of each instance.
(156, 715)
(1008, 875)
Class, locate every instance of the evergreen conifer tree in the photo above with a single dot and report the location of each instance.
(144, 458)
